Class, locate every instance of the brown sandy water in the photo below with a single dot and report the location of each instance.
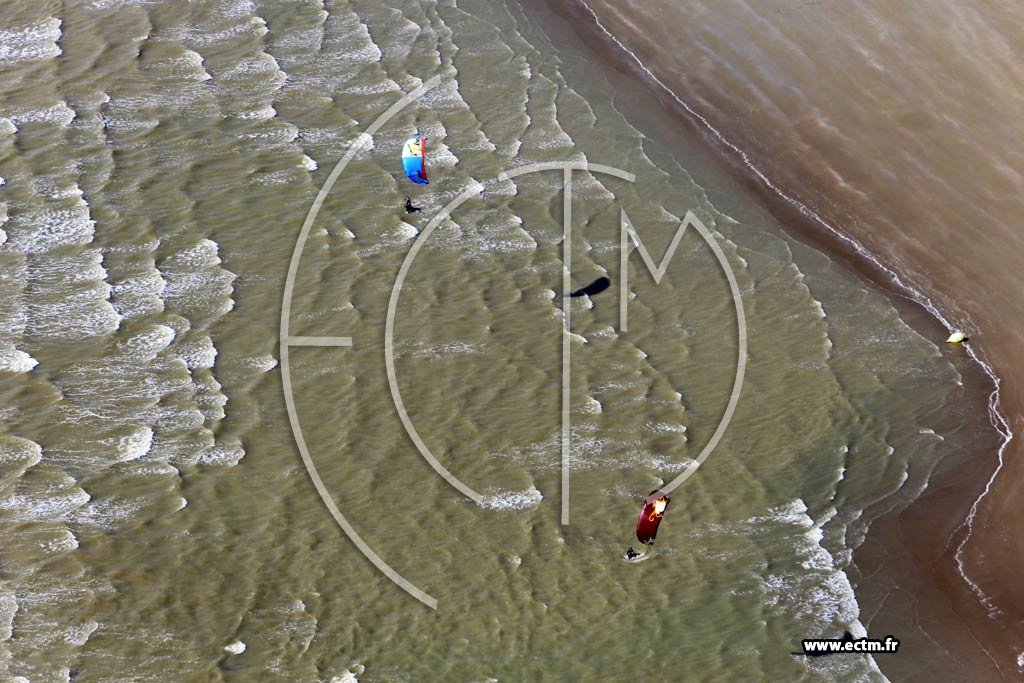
(158, 160)
(896, 124)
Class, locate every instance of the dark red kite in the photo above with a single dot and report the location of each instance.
(650, 516)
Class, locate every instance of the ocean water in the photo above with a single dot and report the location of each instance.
(159, 161)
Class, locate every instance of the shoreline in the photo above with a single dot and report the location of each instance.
(941, 521)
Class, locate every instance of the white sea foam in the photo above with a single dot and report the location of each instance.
(77, 315)
(202, 253)
(45, 229)
(417, 349)
(78, 635)
(264, 363)
(31, 42)
(14, 360)
(195, 282)
(273, 131)
(132, 305)
(111, 513)
(183, 420)
(261, 114)
(65, 192)
(138, 295)
(199, 353)
(496, 187)
(63, 543)
(591, 451)
(667, 427)
(189, 66)
(512, 500)
(59, 113)
(262, 65)
(47, 505)
(18, 453)
(816, 590)
(222, 454)
(399, 41)
(376, 88)
(8, 608)
(146, 345)
(351, 32)
(445, 96)
(258, 25)
(229, 20)
(134, 445)
(401, 234)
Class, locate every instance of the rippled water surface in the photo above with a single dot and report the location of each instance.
(159, 160)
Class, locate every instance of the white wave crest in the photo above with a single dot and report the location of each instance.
(512, 500)
(8, 608)
(18, 453)
(189, 66)
(59, 113)
(13, 360)
(199, 353)
(30, 43)
(264, 363)
(135, 445)
(146, 345)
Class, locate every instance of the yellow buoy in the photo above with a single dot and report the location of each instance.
(957, 337)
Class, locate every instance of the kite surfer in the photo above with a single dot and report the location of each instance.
(650, 516)
(414, 160)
